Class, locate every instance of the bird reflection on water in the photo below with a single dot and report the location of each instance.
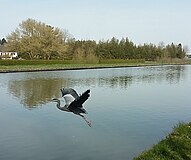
(73, 102)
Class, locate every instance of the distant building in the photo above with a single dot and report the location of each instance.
(8, 55)
(188, 55)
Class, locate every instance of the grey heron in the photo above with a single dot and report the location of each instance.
(73, 102)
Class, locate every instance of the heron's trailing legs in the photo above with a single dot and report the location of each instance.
(86, 120)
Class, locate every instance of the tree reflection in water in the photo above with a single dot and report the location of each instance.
(33, 92)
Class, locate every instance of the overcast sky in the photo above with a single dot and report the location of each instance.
(142, 21)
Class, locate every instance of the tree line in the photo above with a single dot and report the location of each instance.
(37, 40)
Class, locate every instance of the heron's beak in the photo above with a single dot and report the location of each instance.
(54, 100)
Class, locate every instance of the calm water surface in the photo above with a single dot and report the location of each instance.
(130, 108)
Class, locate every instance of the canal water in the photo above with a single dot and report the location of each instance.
(130, 108)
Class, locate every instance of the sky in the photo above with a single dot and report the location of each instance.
(142, 21)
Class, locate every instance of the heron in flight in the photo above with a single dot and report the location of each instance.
(73, 102)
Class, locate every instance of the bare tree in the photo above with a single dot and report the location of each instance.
(37, 40)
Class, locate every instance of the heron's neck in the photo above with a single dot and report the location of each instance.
(62, 108)
(58, 104)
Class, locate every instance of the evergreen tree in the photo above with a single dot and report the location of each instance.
(3, 41)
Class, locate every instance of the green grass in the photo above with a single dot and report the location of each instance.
(33, 65)
(36, 65)
(176, 146)
(33, 62)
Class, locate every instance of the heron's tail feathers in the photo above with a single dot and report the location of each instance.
(84, 111)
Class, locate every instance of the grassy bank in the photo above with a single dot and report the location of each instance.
(37, 65)
(176, 146)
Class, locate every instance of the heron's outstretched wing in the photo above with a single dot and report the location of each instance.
(68, 99)
(80, 100)
(69, 91)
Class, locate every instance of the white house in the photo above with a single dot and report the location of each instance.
(188, 55)
(8, 55)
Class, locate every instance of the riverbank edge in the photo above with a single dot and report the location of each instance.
(176, 145)
(40, 68)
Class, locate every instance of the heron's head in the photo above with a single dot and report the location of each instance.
(55, 100)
